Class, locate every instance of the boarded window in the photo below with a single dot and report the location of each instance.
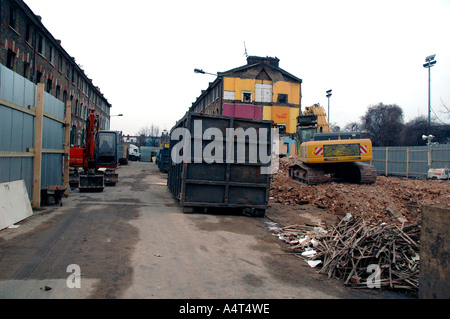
(229, 95)
(263, 92)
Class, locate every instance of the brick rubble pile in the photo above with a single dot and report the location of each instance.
(389, 199)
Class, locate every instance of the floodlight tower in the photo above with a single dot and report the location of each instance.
(429, 62)
(328, 96)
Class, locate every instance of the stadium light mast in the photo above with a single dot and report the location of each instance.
(429, 63)
(328, 96)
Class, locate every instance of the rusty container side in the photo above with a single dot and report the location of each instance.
(206, 184)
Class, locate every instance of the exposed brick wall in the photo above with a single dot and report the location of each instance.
(20, 44)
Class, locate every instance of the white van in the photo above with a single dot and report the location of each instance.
(133, 153)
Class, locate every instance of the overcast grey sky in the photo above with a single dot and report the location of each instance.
(142, 53)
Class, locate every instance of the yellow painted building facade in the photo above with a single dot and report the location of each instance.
(279, 114)
(259, 90)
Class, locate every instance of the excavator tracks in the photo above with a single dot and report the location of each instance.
(357, 172)
(367, 172)
(308, 175)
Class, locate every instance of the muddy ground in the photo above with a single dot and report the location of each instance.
(389, 199)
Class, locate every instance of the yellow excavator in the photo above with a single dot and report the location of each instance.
(323, 155)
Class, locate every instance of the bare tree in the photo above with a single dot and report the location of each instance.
(352, 127)
(149, 131)
(447, 110)
(334, 127)
(383, 124)
(149, 135)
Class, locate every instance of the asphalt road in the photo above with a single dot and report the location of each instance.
(133, 241)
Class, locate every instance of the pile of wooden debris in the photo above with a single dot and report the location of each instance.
(375, 242)
(361, 254)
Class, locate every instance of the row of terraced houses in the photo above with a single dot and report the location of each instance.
(30, 50)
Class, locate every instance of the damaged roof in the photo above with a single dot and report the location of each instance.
(262, 69)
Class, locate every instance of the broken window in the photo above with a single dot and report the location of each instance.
(12, 17)
(247, 97)
(10, 60)
(73, 133)
(60, 63)
(38, 77)
(49, 85)
(40, 47)
(282, 98)
(281, 128)
(50, 56)
(28, 32)
(26, 67)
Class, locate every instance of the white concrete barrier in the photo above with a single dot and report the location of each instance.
(14, 203)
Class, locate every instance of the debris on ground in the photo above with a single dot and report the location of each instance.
(388, 199)
(361, 254)
(375, 242)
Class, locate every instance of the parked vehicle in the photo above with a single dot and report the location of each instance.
(439, 173)
(97, 160)
(133, 153)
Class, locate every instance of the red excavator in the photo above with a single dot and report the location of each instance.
(95, 163)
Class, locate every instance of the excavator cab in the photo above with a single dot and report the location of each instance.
(106, 154)
(306, 128)
(106, 159)
(305, 135)
(98, 157)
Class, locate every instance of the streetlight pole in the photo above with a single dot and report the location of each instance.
(203, 72)
(328, 96)
(429, 62)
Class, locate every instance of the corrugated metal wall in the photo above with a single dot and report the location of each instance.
(17, 132)
(21, 126)
(15, 88)
(410, 161)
